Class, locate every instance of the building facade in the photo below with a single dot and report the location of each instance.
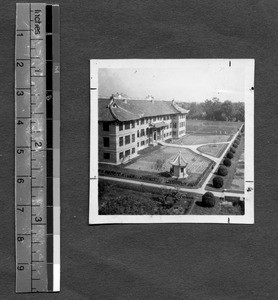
(127, 126)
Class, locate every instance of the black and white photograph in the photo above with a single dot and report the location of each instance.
(172, 141)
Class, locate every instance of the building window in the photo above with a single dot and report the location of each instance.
(174, 125)
(127, 153)
(137, 122)
(121, 155)
(121, 126)
(154, 119)
(142, 132)
(142, 121)
(147, 142)
(127, 139)
(105, 126)
(133, 150)
(127, 125)
(142, 143)
(106, 141)
(133, 138)
(133, 124)
(121, 141)
(106, 155)
(138, 134)
(138, 144)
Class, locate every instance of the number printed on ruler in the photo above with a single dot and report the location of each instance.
(34, 215)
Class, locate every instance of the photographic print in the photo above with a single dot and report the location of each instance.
(172, 141)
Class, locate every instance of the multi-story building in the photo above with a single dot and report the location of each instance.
(127, 126)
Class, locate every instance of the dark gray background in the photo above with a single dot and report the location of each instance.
(183, 261)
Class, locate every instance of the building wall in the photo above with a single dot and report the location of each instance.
(123, 146)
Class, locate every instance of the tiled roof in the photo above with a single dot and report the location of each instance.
(130, 109)
(179, 161)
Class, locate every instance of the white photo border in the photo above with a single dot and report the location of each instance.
(247, 218)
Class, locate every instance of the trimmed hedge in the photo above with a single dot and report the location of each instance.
(227, 162)
(232, 150)
(222, 171)
(218, 182)
(235, 145)
(230, 155)
(208, 199)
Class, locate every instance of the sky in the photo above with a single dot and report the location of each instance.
(188, 84)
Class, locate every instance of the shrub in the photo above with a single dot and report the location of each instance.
(222, 170)
(227, 162)
(208, 199)
(235, 145)
(236, 142)
(232, 150)
(217, 182)
(230, 155)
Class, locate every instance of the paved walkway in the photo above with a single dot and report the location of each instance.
(217, 160)
(200, 190)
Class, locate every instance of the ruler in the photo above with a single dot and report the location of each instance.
(37, 144)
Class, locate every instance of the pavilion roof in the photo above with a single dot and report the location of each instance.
(179, 161)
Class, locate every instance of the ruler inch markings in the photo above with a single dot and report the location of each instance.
(34, 216)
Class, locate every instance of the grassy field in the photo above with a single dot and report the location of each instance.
(153, 165)
(212, 127)
(197, 139)
(238, 181)
(128, 199)
(234, 181)
(196, 163)
(215, 150)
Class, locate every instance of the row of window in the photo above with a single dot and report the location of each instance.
(131, 124)
(127, 139)
(143, 143)
(126, 153)
(167, 134)
(143, 121)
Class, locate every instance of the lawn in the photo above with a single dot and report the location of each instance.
(238, 181)
(198, 139)
(234, 181)
(196, 163)
(215, 150)
(153, 165)
(128, 199)
(212, 127)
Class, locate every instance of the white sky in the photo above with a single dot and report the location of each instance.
(205, 80)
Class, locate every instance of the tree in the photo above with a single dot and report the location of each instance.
(227, 162)
(227, 109)
(222, 171)
(232, 150)
(230, 155)
(217, 182)
(208, 199)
